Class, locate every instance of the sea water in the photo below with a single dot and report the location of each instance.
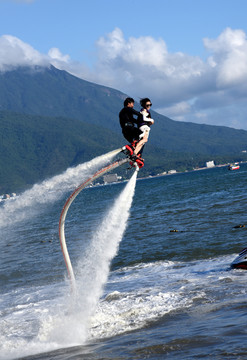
(155, 283)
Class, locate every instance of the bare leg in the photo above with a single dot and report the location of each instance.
(140, 144)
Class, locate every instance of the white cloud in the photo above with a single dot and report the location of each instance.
(181, 86)
(144, 65)
(144, 50)
(229, 57)
(14, 52)
(176, 111)
(55, 54)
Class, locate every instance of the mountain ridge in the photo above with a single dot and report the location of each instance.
(54, 103)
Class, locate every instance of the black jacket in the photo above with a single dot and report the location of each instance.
(126, 116)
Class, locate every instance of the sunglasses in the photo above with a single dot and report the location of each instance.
(149, 104)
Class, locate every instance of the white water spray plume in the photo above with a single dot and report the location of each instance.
(93, 269)
(71, 327)
(29, 202)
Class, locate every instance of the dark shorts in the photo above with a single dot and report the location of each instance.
(131, 133)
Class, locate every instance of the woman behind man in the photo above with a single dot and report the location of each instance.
(144, 121)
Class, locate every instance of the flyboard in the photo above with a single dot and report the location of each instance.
(76, 192)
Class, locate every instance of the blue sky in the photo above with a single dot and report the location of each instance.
(188, 56)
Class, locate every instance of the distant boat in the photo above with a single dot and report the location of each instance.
(234, 166)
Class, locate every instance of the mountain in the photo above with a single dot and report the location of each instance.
(52, 92)
(50, 119)
(34, 147)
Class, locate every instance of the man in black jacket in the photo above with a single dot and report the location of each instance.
(127, 121)
(132, 132)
